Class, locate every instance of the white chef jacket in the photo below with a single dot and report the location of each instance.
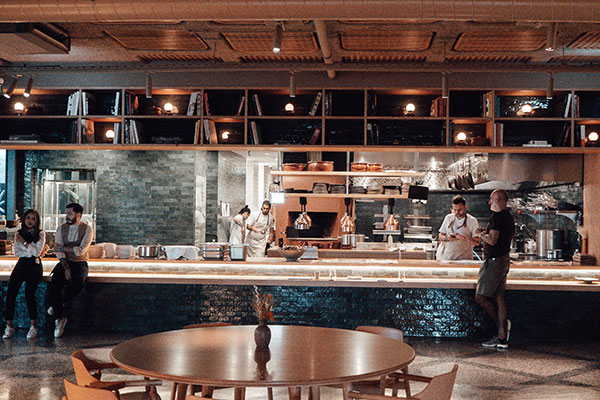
(236, 232)
(458, 249)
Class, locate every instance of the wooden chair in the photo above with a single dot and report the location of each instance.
(438, 388)
(77, 392)
(84, 376)
(385, 382)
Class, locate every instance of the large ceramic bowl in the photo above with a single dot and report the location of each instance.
(291, 253)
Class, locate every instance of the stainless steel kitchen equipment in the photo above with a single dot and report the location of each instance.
(146, 251)
(347, 222)
(238, 251)
(215, 251)
(547, 241)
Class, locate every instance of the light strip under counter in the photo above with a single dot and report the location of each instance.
(349, 272)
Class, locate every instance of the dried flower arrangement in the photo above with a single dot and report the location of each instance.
(263, 305)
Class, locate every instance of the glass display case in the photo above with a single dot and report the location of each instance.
(53, 189)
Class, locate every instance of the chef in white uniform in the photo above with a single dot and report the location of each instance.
(237, 229)
(458, 233)
(261, 228)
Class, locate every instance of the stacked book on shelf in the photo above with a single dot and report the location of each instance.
(73, 103)
(210, 132)
(32, 138)
(195, 103)
(583, 259)
(438, 107)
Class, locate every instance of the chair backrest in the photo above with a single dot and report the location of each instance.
(76, 392)
(440, 387)
(391, 333)
(80, 366)
(207, 325)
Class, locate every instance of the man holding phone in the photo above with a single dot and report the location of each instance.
(458, 233)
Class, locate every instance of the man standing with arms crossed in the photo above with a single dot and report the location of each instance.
(72, 243)
(491, 282)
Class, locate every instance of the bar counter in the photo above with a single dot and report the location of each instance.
(376, 273)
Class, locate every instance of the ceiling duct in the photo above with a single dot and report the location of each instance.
(19, 39)
(57, 11)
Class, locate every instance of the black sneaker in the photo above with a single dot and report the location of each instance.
(496, 342)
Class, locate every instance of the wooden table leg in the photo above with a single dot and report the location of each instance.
(315, 391)
(239, 393)
(346, 387)
(181, 391)
(295, 393)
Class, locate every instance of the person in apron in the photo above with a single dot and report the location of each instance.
(237, 230)
(261, 227)
(458, 233)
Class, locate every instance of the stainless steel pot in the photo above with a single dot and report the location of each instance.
(349, 240)
(149, 251)
(548, 240)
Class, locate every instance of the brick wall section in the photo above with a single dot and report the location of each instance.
(146, 308)
(232, 180)
(212, 194)
(143, 197)
(200, 198)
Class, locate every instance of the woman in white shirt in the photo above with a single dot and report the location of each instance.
(237, 231)
(30, 246)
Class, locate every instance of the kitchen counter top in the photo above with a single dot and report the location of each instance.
(526, 275)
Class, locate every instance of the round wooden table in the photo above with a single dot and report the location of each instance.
(297, 356)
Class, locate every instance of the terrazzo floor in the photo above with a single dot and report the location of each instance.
(33, 370)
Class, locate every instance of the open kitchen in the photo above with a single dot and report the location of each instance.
(342, 219)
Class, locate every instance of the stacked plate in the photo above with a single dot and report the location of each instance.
(358, 190)
(338, 189)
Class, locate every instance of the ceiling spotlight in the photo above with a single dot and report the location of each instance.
(551, 36)
(277, 37)
(11, 88)
(444, 85)
(292, 85)
(148, 86)
(550, 87)
(28, 88)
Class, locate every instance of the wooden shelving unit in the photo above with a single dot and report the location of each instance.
(349, 195)
(370, 119)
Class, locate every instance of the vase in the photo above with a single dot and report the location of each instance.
(262, 334)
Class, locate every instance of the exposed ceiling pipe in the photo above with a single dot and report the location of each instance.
(324, 44)
(193, 10)
(297, 67)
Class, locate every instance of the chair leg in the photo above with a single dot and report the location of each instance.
(181, 389)
(239, 393)
(346, 387)
(406, 382)
(270, 393)
(315, 392)
(207, 391)
(173, 390)
(382, 382)
(295, 393)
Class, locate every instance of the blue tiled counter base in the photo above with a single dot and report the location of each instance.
(147, 308)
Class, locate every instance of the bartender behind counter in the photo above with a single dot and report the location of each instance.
(458, 233)
(261, 228)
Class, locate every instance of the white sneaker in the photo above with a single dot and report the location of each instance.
(32, 334)
(50, 310)
(59, 325)
(8, 332)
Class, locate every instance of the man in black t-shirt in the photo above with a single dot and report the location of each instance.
(491, 281)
